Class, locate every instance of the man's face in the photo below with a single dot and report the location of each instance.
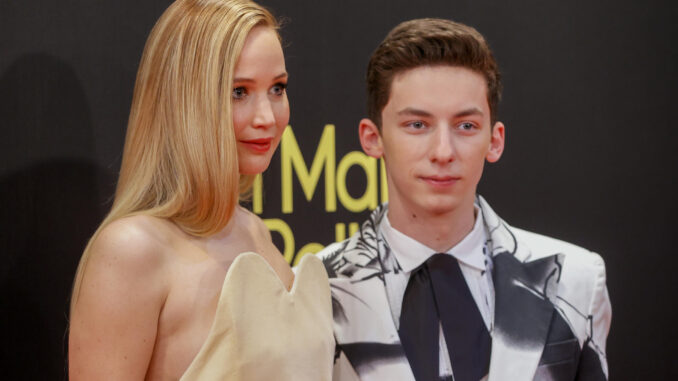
(435, 137)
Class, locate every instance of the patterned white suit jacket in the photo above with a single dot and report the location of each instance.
(552, 310)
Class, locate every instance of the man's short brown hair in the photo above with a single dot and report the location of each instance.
(423, 42)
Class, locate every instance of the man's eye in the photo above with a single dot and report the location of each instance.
(417, 125)
(239, 93)
(279, 88)
(466, 126)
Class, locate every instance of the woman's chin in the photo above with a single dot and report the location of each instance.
(254, 167)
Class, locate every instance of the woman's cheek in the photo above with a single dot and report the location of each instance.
(240, 121)
(283, 114)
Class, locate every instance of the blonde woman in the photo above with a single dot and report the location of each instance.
(179, 281)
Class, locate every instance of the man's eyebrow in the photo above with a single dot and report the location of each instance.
(468, 112)
(418, 112)
(245, 79)
(415, 112)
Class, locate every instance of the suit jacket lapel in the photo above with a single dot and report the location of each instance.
(523, 310)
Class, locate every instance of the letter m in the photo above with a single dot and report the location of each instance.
(293, 161)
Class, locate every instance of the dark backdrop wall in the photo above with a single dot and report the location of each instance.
(588, 103)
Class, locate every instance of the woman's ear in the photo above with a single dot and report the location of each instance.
(496, 143)
(370, 138)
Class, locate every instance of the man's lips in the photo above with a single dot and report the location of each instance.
(258, 145)
(440, 181)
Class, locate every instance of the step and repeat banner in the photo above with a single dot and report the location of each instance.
(588, 100)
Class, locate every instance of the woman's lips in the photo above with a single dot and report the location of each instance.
(258, 145)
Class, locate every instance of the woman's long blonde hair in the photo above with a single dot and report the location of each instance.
(180, 160)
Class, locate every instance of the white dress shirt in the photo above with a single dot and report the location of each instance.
(475, 264)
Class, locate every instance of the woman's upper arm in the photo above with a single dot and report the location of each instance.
(114, 320)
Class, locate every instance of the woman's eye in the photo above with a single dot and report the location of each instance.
(279, 88)
(239, 93)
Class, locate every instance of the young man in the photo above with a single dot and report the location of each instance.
(435, 286)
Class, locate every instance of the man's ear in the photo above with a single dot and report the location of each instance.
(370, 138)
(496, 143)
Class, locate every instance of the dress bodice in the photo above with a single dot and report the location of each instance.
(262, 331)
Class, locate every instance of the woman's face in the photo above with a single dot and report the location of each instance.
(259, 98)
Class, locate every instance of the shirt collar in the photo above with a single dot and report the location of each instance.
(411, 253)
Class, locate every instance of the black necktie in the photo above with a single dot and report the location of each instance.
(437, 292)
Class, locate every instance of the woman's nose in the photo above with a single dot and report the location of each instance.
(263, 113)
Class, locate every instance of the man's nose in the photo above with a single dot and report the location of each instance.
(442, 145)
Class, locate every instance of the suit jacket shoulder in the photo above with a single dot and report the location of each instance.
(541, 245)
(582, 276)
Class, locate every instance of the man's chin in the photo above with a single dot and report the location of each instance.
(441, 207)
(438, 205)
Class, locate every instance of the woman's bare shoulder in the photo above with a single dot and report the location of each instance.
(134, 240)
(254, 223)
(129, 253)
(139, 234)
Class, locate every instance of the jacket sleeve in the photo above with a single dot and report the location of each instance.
(593, 361)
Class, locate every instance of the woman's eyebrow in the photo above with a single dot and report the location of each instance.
(246, 79)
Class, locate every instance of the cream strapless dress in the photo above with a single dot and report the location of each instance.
(261, 331)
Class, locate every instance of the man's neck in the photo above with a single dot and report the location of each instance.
(440, 232)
